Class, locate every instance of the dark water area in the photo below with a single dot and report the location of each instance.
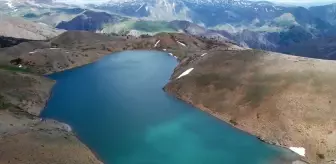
(117, 107)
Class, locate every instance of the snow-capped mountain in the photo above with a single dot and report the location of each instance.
(262, 24)
(209, 13)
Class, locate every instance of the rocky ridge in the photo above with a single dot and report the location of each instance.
(20, 28)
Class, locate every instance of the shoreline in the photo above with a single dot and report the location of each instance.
(202, 108)
(192, 55)
(65, 126)
(220, 118)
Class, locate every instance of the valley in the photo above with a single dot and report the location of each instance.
(257, 66)
(259, 97)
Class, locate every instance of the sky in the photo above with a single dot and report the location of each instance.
(288, 2)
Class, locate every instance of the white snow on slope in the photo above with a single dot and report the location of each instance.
(157, 43)
(139, 8)
(186, 72)
(10, 4)
(181, 43)
(171, 54)
(204, 54)
(299, 150)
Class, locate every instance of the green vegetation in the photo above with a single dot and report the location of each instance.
(285, 20)
(233, 122)
(119, 28)
(240, 27)
(142, 27)
(153, 26)
(30, 15)
(14, 69)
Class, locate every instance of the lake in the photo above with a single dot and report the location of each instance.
(116, 106)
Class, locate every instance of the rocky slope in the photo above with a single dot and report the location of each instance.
(24, 138)
(321, 48)
(90, 21)
(9, 41)
(76, 48)
(284, 100)
(20, 28)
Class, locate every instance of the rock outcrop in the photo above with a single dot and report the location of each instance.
(24, 138)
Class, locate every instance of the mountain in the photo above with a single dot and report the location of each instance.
(209, 13)
(321, 48)
(139, 27)
(44, 11)
(20, 28)
(326, 13)
(262, 25)
(90, 21)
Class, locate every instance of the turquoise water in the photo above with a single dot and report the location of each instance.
(117, 107)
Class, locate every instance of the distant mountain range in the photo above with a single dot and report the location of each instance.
(261, 25)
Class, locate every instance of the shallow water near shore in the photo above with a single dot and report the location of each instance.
(117, 107)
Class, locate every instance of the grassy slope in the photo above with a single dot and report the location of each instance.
(14, 69)
(143, 27)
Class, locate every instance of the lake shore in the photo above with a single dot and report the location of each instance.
(71, 54)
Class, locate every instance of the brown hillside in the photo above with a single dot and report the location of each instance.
(284, 100)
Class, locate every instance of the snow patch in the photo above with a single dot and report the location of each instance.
(42, 24)
(186, 72)
(139, 8)
(9, 4)
(67, 127)
(164, 49)
(298, 150)
(32, 52)
(171, 54)
(204, 54)
(54, 48)
(157, 43)
(181, 43)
